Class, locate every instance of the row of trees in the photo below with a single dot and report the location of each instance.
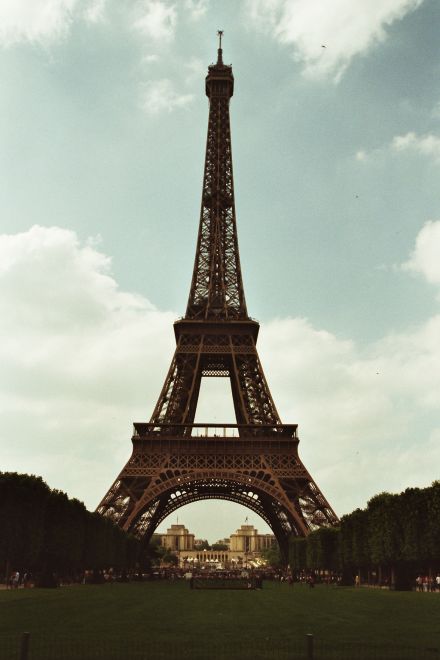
(42, 531)
(394, 538)
(205, 545)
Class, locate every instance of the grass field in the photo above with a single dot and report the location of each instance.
(168, 620)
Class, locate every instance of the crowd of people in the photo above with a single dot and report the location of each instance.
(25, 579)
(16, 579)
(428, 582)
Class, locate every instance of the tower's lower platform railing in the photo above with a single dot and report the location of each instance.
(204, 430)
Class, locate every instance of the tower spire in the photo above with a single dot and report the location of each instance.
(220, 51)
(217, 288)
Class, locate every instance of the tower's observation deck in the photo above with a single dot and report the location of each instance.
(219, 81)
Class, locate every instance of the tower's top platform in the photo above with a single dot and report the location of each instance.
(219, 81)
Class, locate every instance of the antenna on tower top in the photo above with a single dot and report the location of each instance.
(219, 55)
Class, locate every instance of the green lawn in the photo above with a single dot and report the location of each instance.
(168, 620)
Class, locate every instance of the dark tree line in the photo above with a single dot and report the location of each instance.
(43, 531)
(390, 542)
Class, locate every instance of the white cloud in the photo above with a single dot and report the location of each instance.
(361, 155)
(425, 258)
(357, 409)
(196, 8)
(427, 145)
(80, 361)
(196, 69)
(94, 12)
(160, 95)
(157, 20)
(325, 36)
(436, 111)
(149, 59)
(43, 20)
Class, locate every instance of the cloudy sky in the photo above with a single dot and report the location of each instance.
(336, 145)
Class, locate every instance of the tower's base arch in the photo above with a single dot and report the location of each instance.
(255, 466)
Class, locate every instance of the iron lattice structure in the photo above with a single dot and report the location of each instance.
(254, 462)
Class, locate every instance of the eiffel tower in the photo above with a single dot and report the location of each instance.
(254, 462)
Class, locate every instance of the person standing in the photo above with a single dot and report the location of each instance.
(16, 579)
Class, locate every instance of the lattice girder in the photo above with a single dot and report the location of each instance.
(217, 288)
(259, 469)
(223, 349)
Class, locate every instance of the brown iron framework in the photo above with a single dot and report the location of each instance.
(254, 462)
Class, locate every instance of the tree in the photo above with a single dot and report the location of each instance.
(170, 558)
(273, 557)
(354, 544)
(322, 551)
(44, 531)
(218, 546)
(297, 553)
(64, 533)
(151, 553)
(413, 512)
(385, 529)
(22, 506)
(433, 521)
